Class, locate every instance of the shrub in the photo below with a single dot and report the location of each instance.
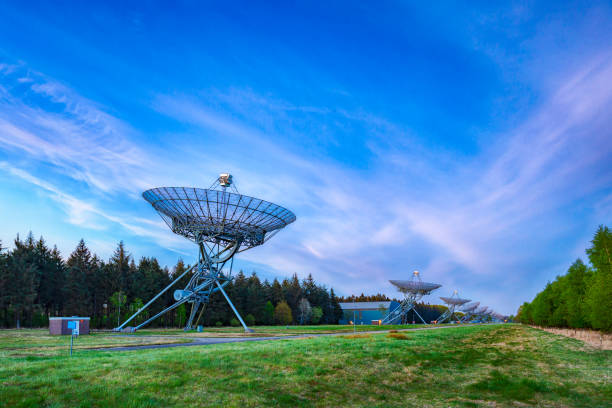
(316, 315)
(398, 336)
(282, 313)
(249, 320)
(358, 336)
(234, 322)
(218, 324)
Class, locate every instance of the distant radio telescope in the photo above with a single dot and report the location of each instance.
(469, 309)
(413, 291)
(452, 302)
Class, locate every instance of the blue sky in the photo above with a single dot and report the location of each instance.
(473, 144)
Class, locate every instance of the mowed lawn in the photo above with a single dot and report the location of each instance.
(274, 331)
(508, 365)
(38, 342)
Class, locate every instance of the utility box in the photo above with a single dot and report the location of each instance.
(59, 325)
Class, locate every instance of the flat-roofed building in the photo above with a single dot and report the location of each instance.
(59, 325)
(366, 312)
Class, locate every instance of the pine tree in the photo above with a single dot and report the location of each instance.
(80, 269)
(276, 292)
(57, 280)
(268, 313)
(120, 266)
(23, 280)
(4, 294)
(292, 293)
(336, 310)
(238, 293)
(255, 300)
(22, 288)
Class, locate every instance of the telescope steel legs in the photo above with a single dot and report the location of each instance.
(448, 315)
(246, 329)
(153, 300)
(407, 305)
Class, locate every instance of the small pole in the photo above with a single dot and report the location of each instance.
(71, 338)
(354, 316)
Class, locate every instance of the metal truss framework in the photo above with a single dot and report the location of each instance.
(207, 278)
(413, 291)
(452, 303)
(222, 224)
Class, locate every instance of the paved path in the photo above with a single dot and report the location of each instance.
(203, 341)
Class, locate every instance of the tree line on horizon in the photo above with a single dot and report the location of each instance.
(37, 283)
(580, 299)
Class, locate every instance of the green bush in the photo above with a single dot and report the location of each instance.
(282, 313)
(234, 322)
(317, 313)
(218, 324)
(249, 320)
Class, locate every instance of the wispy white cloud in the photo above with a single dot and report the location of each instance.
(76, 139)
(88, 215)
(73, 134)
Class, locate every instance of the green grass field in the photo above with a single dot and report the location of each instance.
(493, 365)
(38, 342)
(267, 331)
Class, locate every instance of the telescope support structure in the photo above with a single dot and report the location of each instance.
(467, 317)
(450, 312)
(413, 291)
(399, 315)
(208, 277)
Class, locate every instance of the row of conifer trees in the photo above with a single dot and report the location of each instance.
(582, 298)
(36, 283)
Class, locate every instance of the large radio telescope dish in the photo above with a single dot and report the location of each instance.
(218, 216)
(470, 307)
(222, 223)
(481, 310)
(454, 300)
(415, 285)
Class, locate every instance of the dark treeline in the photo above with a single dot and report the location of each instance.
(582, 298)
(37, 283)
(365, 298)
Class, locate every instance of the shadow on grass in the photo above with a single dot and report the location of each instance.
(508, 388)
